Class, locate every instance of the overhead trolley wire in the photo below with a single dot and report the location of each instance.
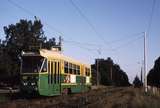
(82, 43)
(50, 26)
(124, 38)
(128, 43)
(88, 21)
(151, 16)
(96, 47)
(32, 14)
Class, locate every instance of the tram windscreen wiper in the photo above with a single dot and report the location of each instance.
(31, 64)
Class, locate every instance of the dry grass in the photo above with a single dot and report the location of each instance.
(103, 97)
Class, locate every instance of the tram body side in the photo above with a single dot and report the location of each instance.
(55, 76)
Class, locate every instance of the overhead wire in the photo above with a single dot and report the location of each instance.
(96, 47)
(81, 46)
(151, 16)
(124, 38)
(128, 43)
(88, 21)
(82, 43)
(49, 26)
(94, 29)
(32, 14)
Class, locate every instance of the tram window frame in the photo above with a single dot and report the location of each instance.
(55, 71)
(58, 80)
(48, 65)
(44, 67)
(52, 70)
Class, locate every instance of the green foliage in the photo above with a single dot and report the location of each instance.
(154, 74)
(137, 82)
(110, 73)
(24, 35)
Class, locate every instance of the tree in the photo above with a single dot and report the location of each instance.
(110, 73)
(25, 35)
(137, 82)
(153, 76)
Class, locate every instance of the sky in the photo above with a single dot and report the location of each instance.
(107, 28)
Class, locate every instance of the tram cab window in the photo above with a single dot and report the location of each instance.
(44, 66)
(32, 64)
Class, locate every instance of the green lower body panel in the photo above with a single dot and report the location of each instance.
(40, 84)
(47, 89)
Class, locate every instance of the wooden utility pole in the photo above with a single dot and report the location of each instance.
(60, 43)
(111, 72)
(145, 63)
(141, 75)
(97, 68)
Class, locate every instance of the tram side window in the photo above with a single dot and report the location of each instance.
(66, 67)
(44, 68)
(78, 70)
(70, 68)
(74, 69)
(87, 71)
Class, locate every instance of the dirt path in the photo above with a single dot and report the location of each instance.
(104, 97)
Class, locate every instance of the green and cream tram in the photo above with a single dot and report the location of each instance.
(50, 73)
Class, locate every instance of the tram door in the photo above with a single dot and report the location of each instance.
(54, 76)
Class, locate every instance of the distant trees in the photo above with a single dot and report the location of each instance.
(110, 73)
(25, 35)
(137, 82)
(153, 77)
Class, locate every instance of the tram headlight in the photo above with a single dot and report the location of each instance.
(33, 84)
(24, 84)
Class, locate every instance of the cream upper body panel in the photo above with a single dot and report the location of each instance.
(51, 54)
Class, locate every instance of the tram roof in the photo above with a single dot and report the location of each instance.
(56, 54)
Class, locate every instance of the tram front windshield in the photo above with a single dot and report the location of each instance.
(31, 64)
